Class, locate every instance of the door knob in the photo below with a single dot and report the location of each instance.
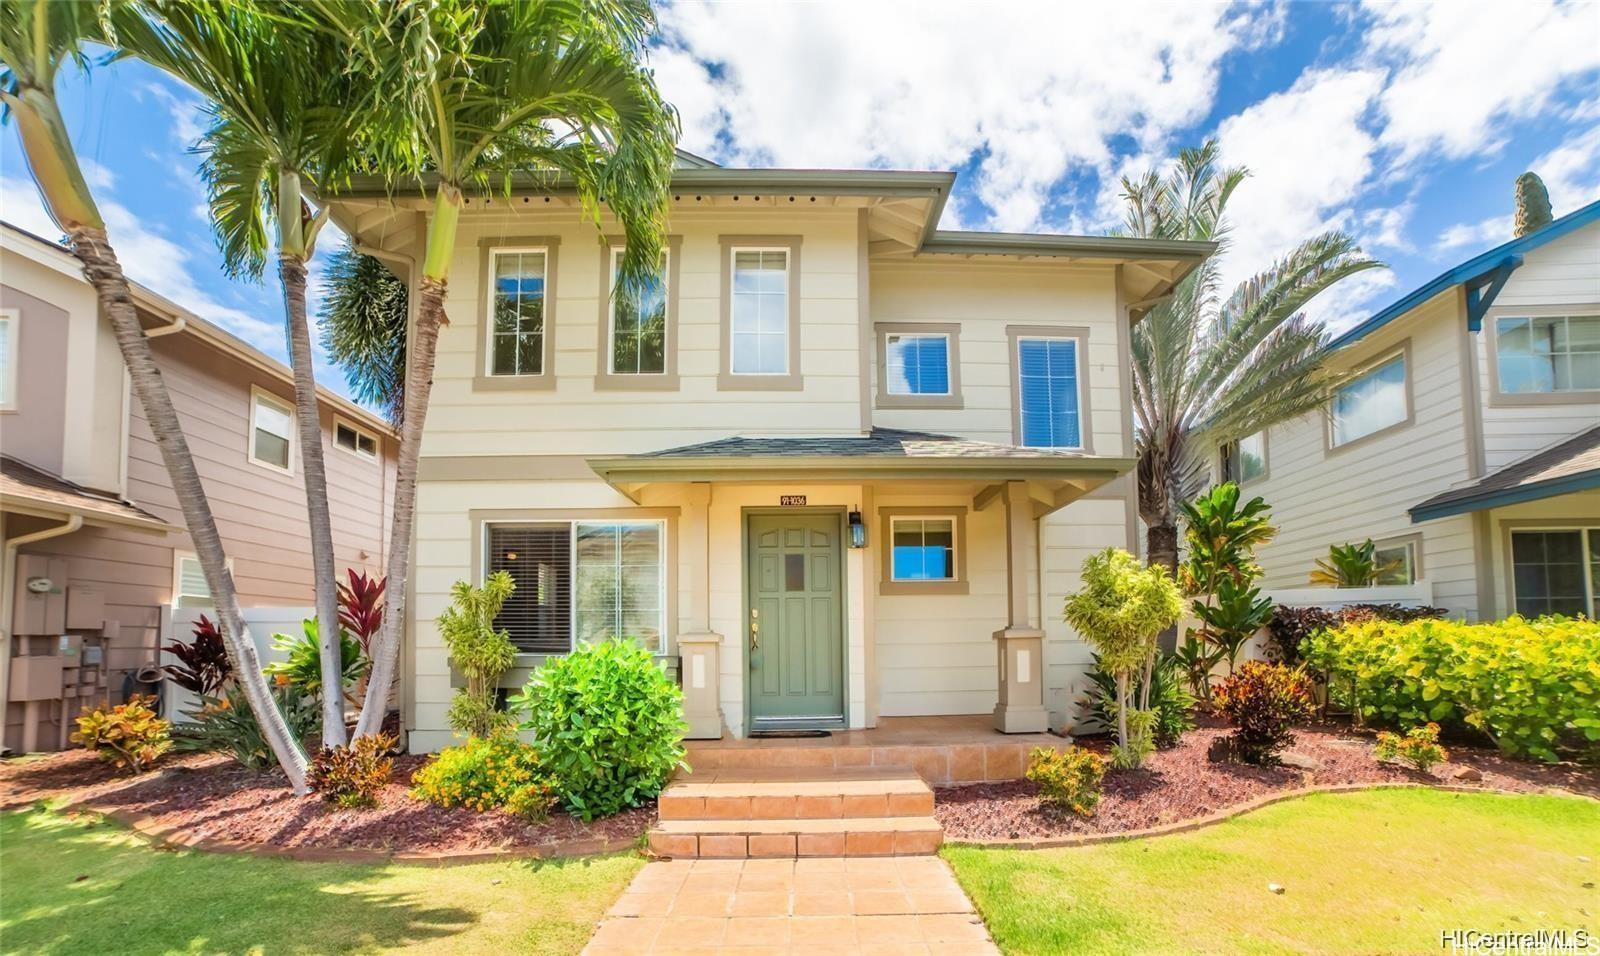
(755, 628)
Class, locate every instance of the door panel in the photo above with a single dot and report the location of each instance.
(796, 652)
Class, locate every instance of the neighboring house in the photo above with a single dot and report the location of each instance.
(84, 492)
(841, 465)
(1467, 444)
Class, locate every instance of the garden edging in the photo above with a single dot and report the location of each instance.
(1239, 809)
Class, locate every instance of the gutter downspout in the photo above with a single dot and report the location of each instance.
(7, 607)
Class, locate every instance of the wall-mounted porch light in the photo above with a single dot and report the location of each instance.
(858, 531)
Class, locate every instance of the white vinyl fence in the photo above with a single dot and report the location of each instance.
(263, 622)
(1419, 594)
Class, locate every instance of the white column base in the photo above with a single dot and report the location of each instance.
(698, 669)
(1021, 658)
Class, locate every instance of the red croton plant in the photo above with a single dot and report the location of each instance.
(361, 607)
(203, 666)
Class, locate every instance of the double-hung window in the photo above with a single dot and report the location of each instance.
(9, 321)
(759, 330)
(517, 327)
(1556, 571)
(271, 430)
(581, 581)
(1049, 391)
(637, 322)
(1373, 401)
(1547, 354)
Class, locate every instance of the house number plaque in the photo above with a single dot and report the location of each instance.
(792, 501)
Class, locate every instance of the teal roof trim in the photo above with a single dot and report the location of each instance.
(1537, 491)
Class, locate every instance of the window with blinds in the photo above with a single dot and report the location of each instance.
(538, 615)
(1047, 390)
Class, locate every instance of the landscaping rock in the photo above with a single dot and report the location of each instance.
(1275, 888)
(1466, 775)
(1300, 761)
(1220, 751)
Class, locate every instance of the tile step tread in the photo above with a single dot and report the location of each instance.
(799, 825)
(817, 786)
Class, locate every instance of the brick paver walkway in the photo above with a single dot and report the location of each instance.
(819, 907)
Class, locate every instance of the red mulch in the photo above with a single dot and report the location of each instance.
(1181, 784)
(208, 795)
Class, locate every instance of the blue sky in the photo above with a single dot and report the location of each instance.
(1404, 124)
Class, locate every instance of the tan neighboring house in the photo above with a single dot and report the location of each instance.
(1467, 444)
(94, 543)
(841, 466)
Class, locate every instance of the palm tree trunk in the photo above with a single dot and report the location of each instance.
(419, 384)
(105, 274)
(308, 415)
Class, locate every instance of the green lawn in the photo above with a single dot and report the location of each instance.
(1372, 872)
(71, 886)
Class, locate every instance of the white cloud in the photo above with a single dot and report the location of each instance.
(1489, 232)
(21, 205)
(929, 85)
(186, 111)
(1571, 171)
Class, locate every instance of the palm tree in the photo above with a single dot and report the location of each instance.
(471, 92)
(38, 37)
(282, 106)
(363, 318)
(1208, 371)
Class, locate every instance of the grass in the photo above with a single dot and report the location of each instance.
(1371, 872)
(77, 886)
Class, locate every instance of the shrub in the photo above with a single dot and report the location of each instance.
(1169, 699)
(1220, 538)
(353, 776)
(226, 724)
(485, 773)
(1351, 566)
(129, 735)
(608, 724)
(479, 651)
(1069, 779)
(533, 802)
(1532, 687)
(203, 665)
(1262, 701)
(1292, 625)
(361, 607)
(303, 666)
(1419, 747)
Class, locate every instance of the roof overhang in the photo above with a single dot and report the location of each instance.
(20, 502)
(1565, 468)
(1444, 507)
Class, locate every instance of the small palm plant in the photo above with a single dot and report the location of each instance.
(1351, 566)
(1221, 534)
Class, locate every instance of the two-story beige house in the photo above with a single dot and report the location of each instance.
(839, 466)
(1466, 444)
(95, 546)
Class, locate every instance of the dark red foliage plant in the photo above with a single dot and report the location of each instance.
(203, 667)
(361, 607)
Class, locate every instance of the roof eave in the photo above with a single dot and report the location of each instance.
(710, 181)
(1519, 494)
(825, 467)
(50, 508)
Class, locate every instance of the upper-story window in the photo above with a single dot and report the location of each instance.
(1548, 354)
(1049, 391)
(271, 430)
(760, 331)
(10, 319)
(517, 311)
(1246, 459)
(919, 365)
(354, 439)
(1371, 402)
(638, 323)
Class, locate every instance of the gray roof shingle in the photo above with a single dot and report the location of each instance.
(1569, 466)
(879, 443)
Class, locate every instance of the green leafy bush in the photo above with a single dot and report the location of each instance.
(1070, 779)
(1262, 701)
(1532, 687)
(352, 777)
(608, 724)
(226, 724)
(128, 735)
(485, 773)
(303, 666)
(1169, 699)
(479, 651)
(1419, 747)
(1290, 626)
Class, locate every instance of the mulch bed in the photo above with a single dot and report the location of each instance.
(209, 797)
(1181, 784)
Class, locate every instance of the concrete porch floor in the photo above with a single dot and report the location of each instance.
(943, 750)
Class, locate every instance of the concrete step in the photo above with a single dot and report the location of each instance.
(783, 793)
(789, 838)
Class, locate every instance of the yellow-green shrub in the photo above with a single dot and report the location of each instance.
(1533, 687)
(129, 735)
(1069, 778)
(483, 774)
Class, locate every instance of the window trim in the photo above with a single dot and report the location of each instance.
(488, 248)
(178, 556)
(13, 336)
(1412, 541)
(1266, 460)
(952, 334)
(257, 396)
(377, 443)
(1015, 334)
(727, 379)
(480, 520)
(1403, 350)
(605, 379)
(1510, 528)
(1501, 399)
(887, 585)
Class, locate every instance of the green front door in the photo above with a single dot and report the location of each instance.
(794, 628)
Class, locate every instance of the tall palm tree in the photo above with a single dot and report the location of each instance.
(363, 318)
(475, 90)
(283, 106)
(38, 37)
(1207, 371)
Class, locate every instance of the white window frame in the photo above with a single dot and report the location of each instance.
(572, 557)
(13, 335)
(614, 262)
(1412, 546)
(545, 352)
(788, 290)
(955, 545)
(1555, 396)
(1080, 344)
(339, 421)
(1583, 530)
(949, 376)
(259, 396)
(178, 557)
(1403, 353)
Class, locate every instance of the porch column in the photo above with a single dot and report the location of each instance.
(699, 666)
(1020, 644)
